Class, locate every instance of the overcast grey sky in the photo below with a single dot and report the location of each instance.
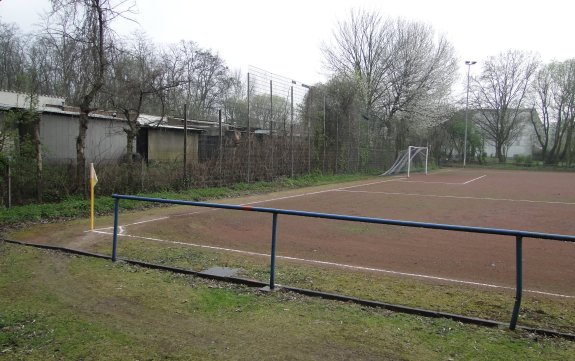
(284, 37)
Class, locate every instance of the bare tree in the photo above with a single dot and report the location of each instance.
(138, 81)
(87, 24)
(13, 59)
(567, 108)
(401, 69)
(421, 77)
(263, 115)
(211, 82)
(554, 94)
(341, 136)
(543, 89)
(204, 77)
(56, 56)
(500, 94)
(361, 51)
(235, 102)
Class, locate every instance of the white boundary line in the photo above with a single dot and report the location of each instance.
(341, 265)
(426, 182)
(142, 222)
(406, 180)
(122, 230)
(251, 203)
(319, 192)
(460, 197)
(474, 179)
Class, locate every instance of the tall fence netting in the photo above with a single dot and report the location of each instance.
(287, 128)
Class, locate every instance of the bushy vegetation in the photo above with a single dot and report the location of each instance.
(525, 160)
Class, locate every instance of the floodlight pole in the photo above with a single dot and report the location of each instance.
(469, 63)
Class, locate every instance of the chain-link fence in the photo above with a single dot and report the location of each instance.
(290, 128)
(279, 141)
(280, 128)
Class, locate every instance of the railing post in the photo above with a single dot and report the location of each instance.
(273, 252)
(519, 280)
(115, 237)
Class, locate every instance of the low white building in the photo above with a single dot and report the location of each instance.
(159, 139)
(59, 123)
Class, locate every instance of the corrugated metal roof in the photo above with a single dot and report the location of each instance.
(55, 105)
(10, 99)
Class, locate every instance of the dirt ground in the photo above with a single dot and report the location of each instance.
(523, 200)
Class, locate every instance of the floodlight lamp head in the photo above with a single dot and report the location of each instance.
(470, 62)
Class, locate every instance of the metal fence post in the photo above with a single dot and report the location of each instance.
(221, 147)
(272, 129)
(291, 132)
(273, 252)
(248, 132)
(185, 146)
(115, 237)
(519, 280)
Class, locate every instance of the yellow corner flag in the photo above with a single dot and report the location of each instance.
(93, 181)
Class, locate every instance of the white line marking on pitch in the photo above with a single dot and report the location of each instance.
(318, 192)
(460, 197)
(473, 180)
(149, 220)
(406, 180)
(250, 203)
(426, 182)
(406, 274)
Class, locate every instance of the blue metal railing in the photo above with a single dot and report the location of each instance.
(519, 235)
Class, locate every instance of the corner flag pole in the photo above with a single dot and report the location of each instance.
(93, 181)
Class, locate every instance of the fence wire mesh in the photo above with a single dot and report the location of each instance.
(280, 145)
(279, 127)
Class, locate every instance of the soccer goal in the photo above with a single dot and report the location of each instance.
(409, 159)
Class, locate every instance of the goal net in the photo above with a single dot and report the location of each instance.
(411, 159)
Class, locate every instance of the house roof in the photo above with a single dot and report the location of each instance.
(56, 105)
(9, 100)
(190, 129)
(151, 120)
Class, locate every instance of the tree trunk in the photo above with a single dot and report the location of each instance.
(38, 154)
(130, 136)
(499, 153)
(568, 146)
(80, 150)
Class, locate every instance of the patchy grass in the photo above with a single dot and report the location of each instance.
(67, 307)
(536, 311)
(56, 306)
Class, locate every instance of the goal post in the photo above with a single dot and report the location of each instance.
(415, 151)
(407, 160)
